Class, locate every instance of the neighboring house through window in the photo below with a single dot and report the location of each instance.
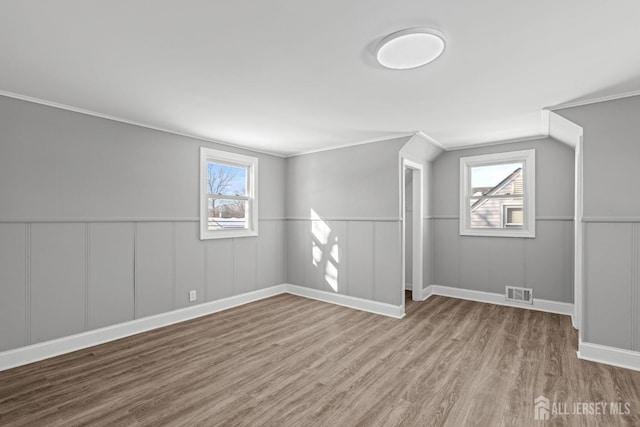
(228, 194)
(497, 194)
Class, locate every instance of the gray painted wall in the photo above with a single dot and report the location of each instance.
(99, 225)
(354, 182)
(489, 263)
(354, 192)
(77, 166)
(425, 152)
(611, 221)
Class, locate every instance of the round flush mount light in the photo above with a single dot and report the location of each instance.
(410, 48)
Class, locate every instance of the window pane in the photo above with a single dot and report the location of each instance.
(493, 212)
(226, 180)
(227, 214)
(504, 178)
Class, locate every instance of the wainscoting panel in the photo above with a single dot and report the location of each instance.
(428, 239)
(271, 253)
(58, 279)
(190, 262)
(610, 293)
(357, 257)
(296, 252)
(386, 268)
(245, 249)
(111, 270)
(13, 278)
(313, 252)
(61, 277)
(155, 269)
(339, 245)
(318, 254)
(446, 256)
(474, 263)
(219, 269)
(507, 256)
(549, 261)
(361, 263)
(487, 264)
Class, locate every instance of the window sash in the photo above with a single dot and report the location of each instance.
(227, 197)
(249, 199)
(496, 224)
(498, 196)
(228, 223)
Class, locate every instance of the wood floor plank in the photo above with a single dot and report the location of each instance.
(291, 361)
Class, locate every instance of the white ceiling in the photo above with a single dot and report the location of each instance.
(295, 76)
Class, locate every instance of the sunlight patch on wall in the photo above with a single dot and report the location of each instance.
(325, 251)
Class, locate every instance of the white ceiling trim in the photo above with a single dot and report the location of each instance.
(502, 142)
(200, 138)
(564, 130)
(593, 100)
(544, 133)
(127, 121)
(353, 144)
(430, 139)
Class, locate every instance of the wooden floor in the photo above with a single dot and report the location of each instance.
(292, 361)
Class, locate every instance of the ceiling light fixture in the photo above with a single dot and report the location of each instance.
(410, 48)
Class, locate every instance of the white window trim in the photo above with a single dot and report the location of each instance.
(528, 159)
(251, 163)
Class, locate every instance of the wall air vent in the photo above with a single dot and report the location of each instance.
(515, 294)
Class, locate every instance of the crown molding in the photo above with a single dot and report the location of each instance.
(352, 144)
(92, 113)
(129, 122)
(590, 101)
(430, 139)
(502, 142)
(421, 134)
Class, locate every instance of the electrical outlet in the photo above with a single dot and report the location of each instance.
(192, 296)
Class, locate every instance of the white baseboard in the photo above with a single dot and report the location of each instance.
(494, 298)
(609, 355)
(390, 310)
(427, 292)
(33, 353)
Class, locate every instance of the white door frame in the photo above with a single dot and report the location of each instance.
(417, 169)
(578, 274)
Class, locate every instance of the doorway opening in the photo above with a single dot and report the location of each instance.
(412, 229)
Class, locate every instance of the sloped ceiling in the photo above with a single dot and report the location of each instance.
(287, 76)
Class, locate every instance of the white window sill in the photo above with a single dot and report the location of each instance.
(526, 234)
(228, 234)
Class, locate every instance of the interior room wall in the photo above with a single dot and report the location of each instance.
(421, 150)
(487, 264)
(343, 228)
(611, 221)
(99, 224)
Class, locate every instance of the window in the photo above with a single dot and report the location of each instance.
(497, 194)
(228, 195)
